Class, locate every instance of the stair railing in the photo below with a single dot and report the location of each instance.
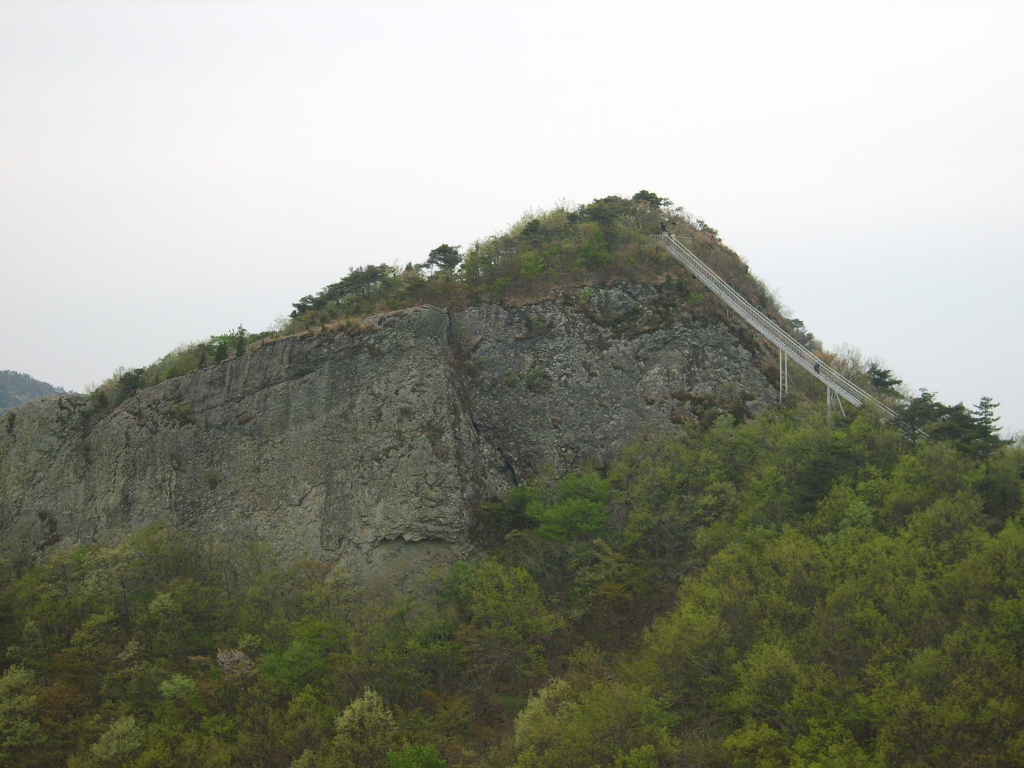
(835, 381)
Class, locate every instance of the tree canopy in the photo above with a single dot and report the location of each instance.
(445, 258)
(782, 591)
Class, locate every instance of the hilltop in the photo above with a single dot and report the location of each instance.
(570, 251)
(544, 253)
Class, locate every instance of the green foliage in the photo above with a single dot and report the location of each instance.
(295, 666)
(353, 290)
(651, 199)
(445, 258)
(179, 688)
(605, 240)
(180, 361)
(883, 379)
(973, 431)
(576, 507)
(365, 732)
(119, 743)
(775, 592)
(416, 757)
(609, 724)
(20, 729)
(129, 382)
(505, 623)
(222, 345)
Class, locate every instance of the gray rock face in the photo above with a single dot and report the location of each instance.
(372, 445)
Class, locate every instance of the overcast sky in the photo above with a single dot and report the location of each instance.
(170, 170)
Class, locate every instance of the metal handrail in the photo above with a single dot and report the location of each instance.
(770, 329)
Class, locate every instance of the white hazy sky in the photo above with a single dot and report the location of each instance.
(170, 170)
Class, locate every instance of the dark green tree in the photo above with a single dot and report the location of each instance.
(605, 211)
(444, 258)
(239, 335)
(988, 430)
(130, 382)
(643, 196)
(883, 379)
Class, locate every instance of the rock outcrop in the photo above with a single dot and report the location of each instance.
(373, 444)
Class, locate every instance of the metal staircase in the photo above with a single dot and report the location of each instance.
(789, 348)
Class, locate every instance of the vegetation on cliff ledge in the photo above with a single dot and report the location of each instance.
(605, 241)
(563, 249)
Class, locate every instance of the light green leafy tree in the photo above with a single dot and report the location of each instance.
(507, 623)
(365, 731)
(610, 724)
(19, 709)
(121, 740)
(416, 757)
(576, 507)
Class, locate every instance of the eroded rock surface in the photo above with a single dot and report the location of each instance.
(372, 445)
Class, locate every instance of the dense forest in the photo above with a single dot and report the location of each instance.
(781, 592)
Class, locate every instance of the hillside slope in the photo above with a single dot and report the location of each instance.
(17, 388)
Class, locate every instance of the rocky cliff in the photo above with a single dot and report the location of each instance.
(372, 444)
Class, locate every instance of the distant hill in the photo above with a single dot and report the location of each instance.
(16, 388)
